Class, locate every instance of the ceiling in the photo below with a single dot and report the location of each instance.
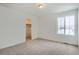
(50, 7)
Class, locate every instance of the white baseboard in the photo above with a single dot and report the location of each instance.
(58, 42)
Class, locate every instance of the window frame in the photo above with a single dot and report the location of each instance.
(66, 25)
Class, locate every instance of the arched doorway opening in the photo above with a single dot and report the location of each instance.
(28, 24)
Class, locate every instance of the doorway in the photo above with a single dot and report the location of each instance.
(28, 29)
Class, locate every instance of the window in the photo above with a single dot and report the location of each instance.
(66, 25)
(61, 25)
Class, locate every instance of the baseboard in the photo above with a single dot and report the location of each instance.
(59, 42)
(12, 45)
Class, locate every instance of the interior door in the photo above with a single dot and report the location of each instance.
(28, 31)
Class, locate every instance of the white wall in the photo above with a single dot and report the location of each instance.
(34, 27)
(48, 29)
(78, 27)
(12, 27)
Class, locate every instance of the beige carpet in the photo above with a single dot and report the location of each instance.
(40, 47)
